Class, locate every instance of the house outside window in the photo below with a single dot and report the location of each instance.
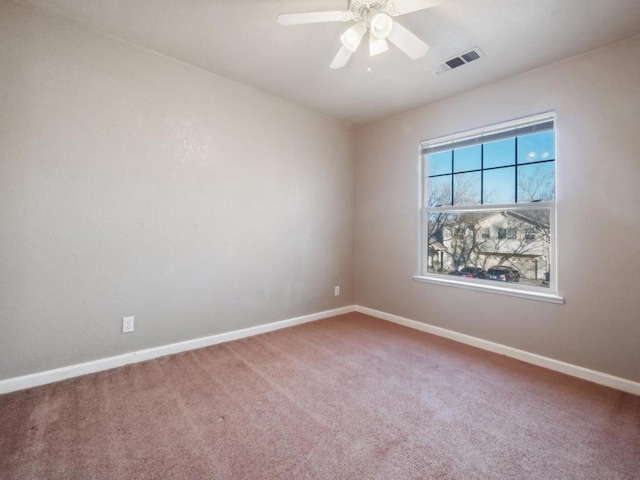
(488, 201)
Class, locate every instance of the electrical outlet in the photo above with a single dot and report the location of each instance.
(127, 324)
(336, 291)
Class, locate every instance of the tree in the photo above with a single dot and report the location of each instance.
(536, 182)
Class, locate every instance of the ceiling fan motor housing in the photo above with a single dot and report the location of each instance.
(363, 9)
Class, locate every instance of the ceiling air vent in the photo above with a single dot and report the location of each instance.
(459, 60)
(455, 62)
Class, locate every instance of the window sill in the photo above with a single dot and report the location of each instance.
(480, 287)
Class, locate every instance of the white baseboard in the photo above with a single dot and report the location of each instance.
(567, 368)
(55, 375)
(63, 373)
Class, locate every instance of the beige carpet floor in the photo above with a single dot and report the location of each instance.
(351, 397)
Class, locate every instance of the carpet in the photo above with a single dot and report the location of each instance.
(350, 397)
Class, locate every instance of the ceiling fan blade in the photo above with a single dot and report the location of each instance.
(377, 45)
(407, 41)
(314, 17)
(341, 58)
(400, 7)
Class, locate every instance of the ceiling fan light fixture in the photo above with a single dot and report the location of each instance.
(377, 45)
(374, 16)
(353, 36)
(381, 25)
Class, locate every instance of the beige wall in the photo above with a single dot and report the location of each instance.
(132, 184)
(597, 100)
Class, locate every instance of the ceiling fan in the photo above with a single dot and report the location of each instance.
(373, 16)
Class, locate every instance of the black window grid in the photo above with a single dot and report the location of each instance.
(482, 170)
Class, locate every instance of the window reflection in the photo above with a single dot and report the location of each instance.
(478, 243)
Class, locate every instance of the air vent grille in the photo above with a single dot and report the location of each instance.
(459, 60)
(470, 56)
(455, 62)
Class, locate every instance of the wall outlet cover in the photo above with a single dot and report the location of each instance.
(127, 324)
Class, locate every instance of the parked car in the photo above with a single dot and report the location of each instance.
(470, 272)
(503, 274)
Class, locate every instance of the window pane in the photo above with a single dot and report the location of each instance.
(536, 182)
(465, 159)
(466, 188)
(439, 191)
(518, 251)
(536, 147)
(440, 163)
(498, 154)
(436, 225)
(500, 185)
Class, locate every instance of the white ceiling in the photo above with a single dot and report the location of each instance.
(240, 40)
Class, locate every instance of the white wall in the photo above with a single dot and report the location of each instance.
(132, 184)
(597, 101)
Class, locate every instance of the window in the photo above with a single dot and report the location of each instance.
(488, 203)
(506, 233)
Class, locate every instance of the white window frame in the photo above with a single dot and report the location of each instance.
(547, 294)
